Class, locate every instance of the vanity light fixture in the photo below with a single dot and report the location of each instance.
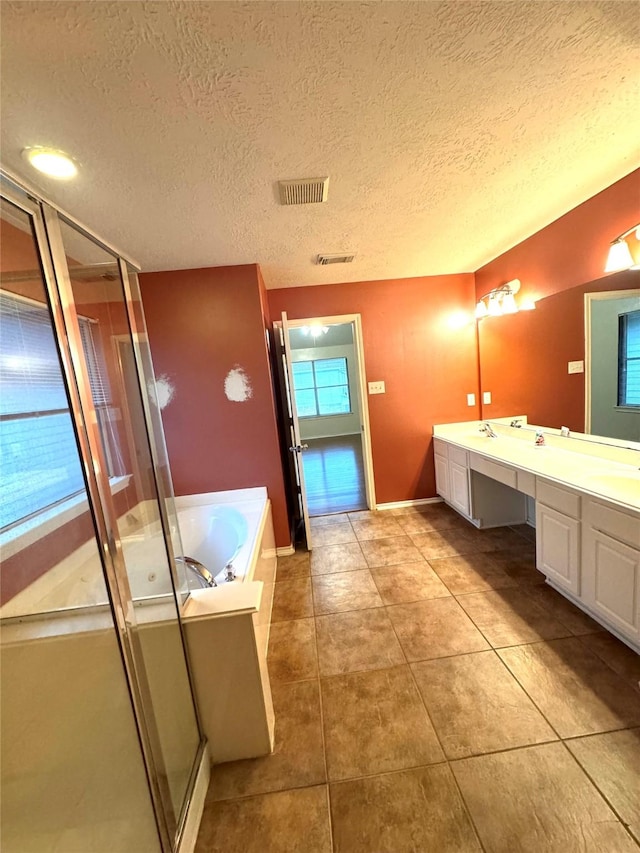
(52, 162)
(624, 251)
(501, 300)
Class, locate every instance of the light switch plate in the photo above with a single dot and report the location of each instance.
(471, 399)
(486, 397)
(575, 367)
(376, 388)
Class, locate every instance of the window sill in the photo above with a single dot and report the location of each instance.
(321, 417)
(22, 535)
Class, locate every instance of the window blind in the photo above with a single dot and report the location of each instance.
(39, 460)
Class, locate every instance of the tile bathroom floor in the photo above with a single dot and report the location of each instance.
(433, 694)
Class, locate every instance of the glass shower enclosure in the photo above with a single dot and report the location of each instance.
(100, 738)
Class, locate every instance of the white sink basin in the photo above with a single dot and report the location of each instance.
(626, 482)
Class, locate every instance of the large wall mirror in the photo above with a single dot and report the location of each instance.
(524, 359)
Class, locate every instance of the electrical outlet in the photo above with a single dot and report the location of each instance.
(471, 399)
(575, 367)
(376, 388)
(486, 397)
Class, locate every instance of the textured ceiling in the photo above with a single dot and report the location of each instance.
(450, 130)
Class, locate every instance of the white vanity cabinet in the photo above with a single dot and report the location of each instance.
(558, 535)
(611, 566)
(441, 457)
(452, 476)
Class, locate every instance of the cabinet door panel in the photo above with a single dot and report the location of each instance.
(611, 584)
(459, 488)
(558, 547)
(442, 476)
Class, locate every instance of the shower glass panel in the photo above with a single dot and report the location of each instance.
(73, 776)
(113, 337)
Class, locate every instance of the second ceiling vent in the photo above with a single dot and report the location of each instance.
(304, 191)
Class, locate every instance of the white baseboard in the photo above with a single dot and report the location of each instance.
(287, 551)
(402, 504)
(196, 806)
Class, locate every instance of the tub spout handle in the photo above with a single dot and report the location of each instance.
(205, 578)
(229, 574)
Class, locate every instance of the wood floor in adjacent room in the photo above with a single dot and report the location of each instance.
(433, 695)
(334, 474)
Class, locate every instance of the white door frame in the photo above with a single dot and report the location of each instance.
(365, 428)
(588, 299)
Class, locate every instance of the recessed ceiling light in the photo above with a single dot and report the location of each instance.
(50, 161)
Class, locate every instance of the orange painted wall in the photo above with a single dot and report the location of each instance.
(523, 357)
(427, 365)
(202, 323)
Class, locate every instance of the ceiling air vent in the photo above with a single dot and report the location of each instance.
(304, 191)
(334, 259)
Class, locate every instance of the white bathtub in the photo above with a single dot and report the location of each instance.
(214, 527)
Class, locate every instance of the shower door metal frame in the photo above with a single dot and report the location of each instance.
(45, 219)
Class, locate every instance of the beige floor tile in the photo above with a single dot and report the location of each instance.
(297, 565)
(345, 591)
(363, 514)
(375, 722)
(519, 564)
(358, 640)
(477, 706)
(292, 651)
(509, 616)
(525, 530)
(324, 520)
(616, 654)
(498, 538)
(413, 811)
(613, 762)
(444, 543)
(441, 516)
(574, 689)
(538, 800)
(379, 527)
(418, 509)
(286, 822)
(298, 756)
(332, 534)
(292, 600)
(424, 522)
(408, 582)
(435, 628)
(337, 558)
(563, 610)
(389, 552)
(471, 573)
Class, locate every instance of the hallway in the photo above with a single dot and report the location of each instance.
(433, 695)
(334, 474)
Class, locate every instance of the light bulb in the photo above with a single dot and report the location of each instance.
(56, 164)
(619, 257)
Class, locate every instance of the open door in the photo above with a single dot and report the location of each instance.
(296, 446)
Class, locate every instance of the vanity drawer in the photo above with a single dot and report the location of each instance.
(495, 470)
(440, 448)
(527, 483)
(620, 525)
(558, 498)
(458, 455)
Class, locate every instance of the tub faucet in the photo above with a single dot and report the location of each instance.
(204, 576)
(487, 429)
(229, 574)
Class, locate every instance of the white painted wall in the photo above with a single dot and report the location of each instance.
(606, 417)
(325, 427)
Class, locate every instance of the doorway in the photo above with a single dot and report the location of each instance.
(328, 413)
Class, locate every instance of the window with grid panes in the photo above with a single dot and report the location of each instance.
(321, 387)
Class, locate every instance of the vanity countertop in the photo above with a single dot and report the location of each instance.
(609, 472)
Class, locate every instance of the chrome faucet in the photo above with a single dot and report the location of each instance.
(204, 576)
(516, 422)
(487, 429)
